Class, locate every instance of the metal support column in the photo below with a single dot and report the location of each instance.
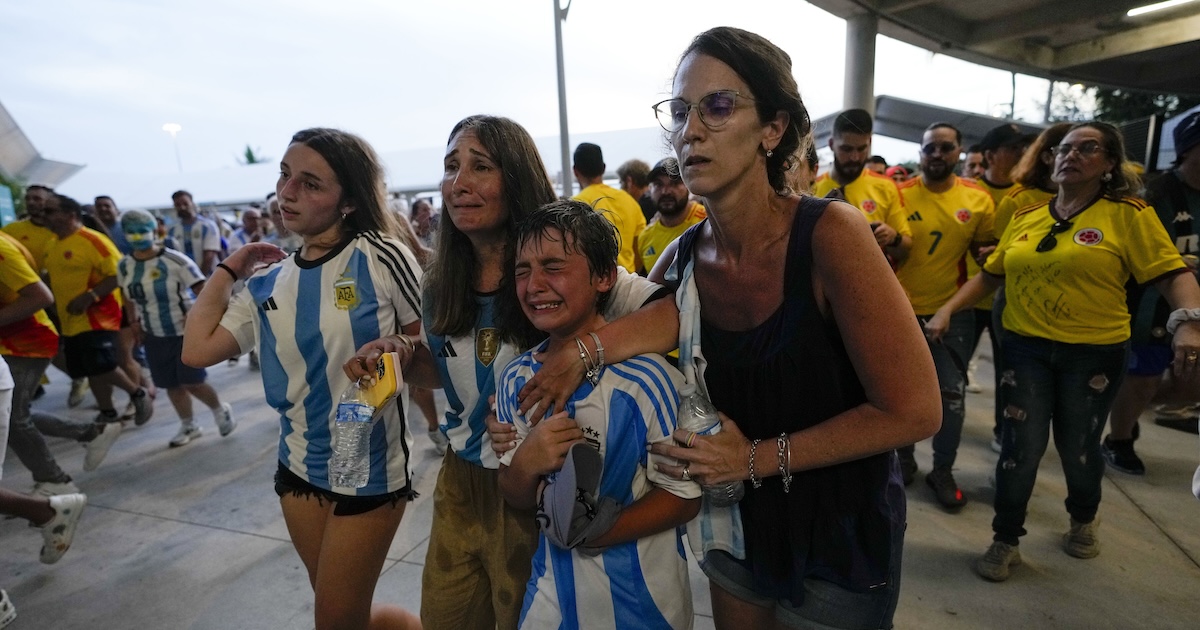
(860, 62)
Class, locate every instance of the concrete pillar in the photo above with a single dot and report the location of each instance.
(860, 62)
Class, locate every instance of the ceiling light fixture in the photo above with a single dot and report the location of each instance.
(1158, 6)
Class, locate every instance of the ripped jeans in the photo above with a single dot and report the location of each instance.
(1061, 386)
(950, 358)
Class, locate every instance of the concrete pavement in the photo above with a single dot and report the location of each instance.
(192, 537)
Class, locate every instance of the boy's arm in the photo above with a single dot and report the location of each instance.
(540, 453)
(657, 511)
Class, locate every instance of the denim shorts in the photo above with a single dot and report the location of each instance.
(288, 482)
(826, 606)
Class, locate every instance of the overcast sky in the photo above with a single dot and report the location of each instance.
(93, 81)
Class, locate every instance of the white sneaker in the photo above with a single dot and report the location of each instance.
(8, 612)
(97, 449)
(79, 387)
(187, 433)
(440, 441)
(50, 488)
(224, 419)
(58, 532)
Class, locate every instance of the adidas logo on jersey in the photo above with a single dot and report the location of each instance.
(270, 305)
(916, 216)
(447, 351)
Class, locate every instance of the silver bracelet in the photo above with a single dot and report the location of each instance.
(599, 349)
(785, 461)
(755, 482)
(591, 371)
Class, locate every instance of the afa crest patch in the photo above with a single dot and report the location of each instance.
(345, 292)
(962, 215)
(1088, 237)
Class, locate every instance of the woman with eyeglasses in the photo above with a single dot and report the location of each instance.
(1064, 264)
(794, 325)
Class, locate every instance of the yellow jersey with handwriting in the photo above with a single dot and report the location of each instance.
(943, 227)
(1075, 292)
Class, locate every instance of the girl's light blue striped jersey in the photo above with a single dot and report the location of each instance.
(307, 318)
(161, 288)
(637, 584)
(469, 365)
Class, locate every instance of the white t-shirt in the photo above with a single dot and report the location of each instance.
(637, 584)
(307, 318)
(470, 364)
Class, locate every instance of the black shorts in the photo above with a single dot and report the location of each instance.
(288, 482)
(91, 353)
(167, 370)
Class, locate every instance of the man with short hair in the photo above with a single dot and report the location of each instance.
(675, 211)
(108, 216)
(874, 194)
(32, 231)
(877, 164)
(950, 218)
(973, 164)
(616, 205)
(194, 235)
(250, 231)
(82, 267)
(634, 176)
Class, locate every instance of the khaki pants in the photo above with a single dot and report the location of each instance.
(480, 552)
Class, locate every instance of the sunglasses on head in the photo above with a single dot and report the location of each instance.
(1050, 241)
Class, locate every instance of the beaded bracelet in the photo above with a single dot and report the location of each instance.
(784, 446)
(755, 482)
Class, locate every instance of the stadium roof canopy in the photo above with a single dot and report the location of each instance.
(19, 158)
(1086, 41)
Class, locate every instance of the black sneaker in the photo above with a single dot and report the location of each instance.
(1120, 456)
(945, 488)
(908, 465)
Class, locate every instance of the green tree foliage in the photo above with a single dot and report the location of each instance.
(1120, 106)
(18, 192)
(252, 156)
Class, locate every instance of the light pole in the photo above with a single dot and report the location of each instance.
(174, 129)
(560, 16)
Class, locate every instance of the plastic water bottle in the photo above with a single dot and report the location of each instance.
(697, 414)
(350, 464)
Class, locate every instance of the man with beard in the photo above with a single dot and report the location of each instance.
(950, 218)
(194, 235)
(874, 194)
(32, 231)
(973, 164)
(675, 212)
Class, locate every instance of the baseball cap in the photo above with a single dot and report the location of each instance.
(1187, 134)
(1005, 135)
(666, 166)
(571, 511)
(892, 170)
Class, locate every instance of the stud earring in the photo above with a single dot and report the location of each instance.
(770, 153)
(1107, 178)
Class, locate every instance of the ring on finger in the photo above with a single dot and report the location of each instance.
(687, 474)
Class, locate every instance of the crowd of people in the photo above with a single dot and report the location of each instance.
(564, 334)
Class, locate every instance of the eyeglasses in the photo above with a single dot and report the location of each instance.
(1087, 149)
(944, 147)
(715, 109)
(1049, 242)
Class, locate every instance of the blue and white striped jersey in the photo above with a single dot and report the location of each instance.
(637, 584)
(307, 318)
(469, 366)
(162, 289)
(193, 239)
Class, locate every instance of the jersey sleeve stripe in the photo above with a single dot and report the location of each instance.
(392, 258)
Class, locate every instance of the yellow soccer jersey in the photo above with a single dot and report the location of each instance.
(34, 238)
(655, 238)
(624, 212)
(1075, 292)
(943, 225)
(1016, 199)
(873, 194)
(76, 264)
